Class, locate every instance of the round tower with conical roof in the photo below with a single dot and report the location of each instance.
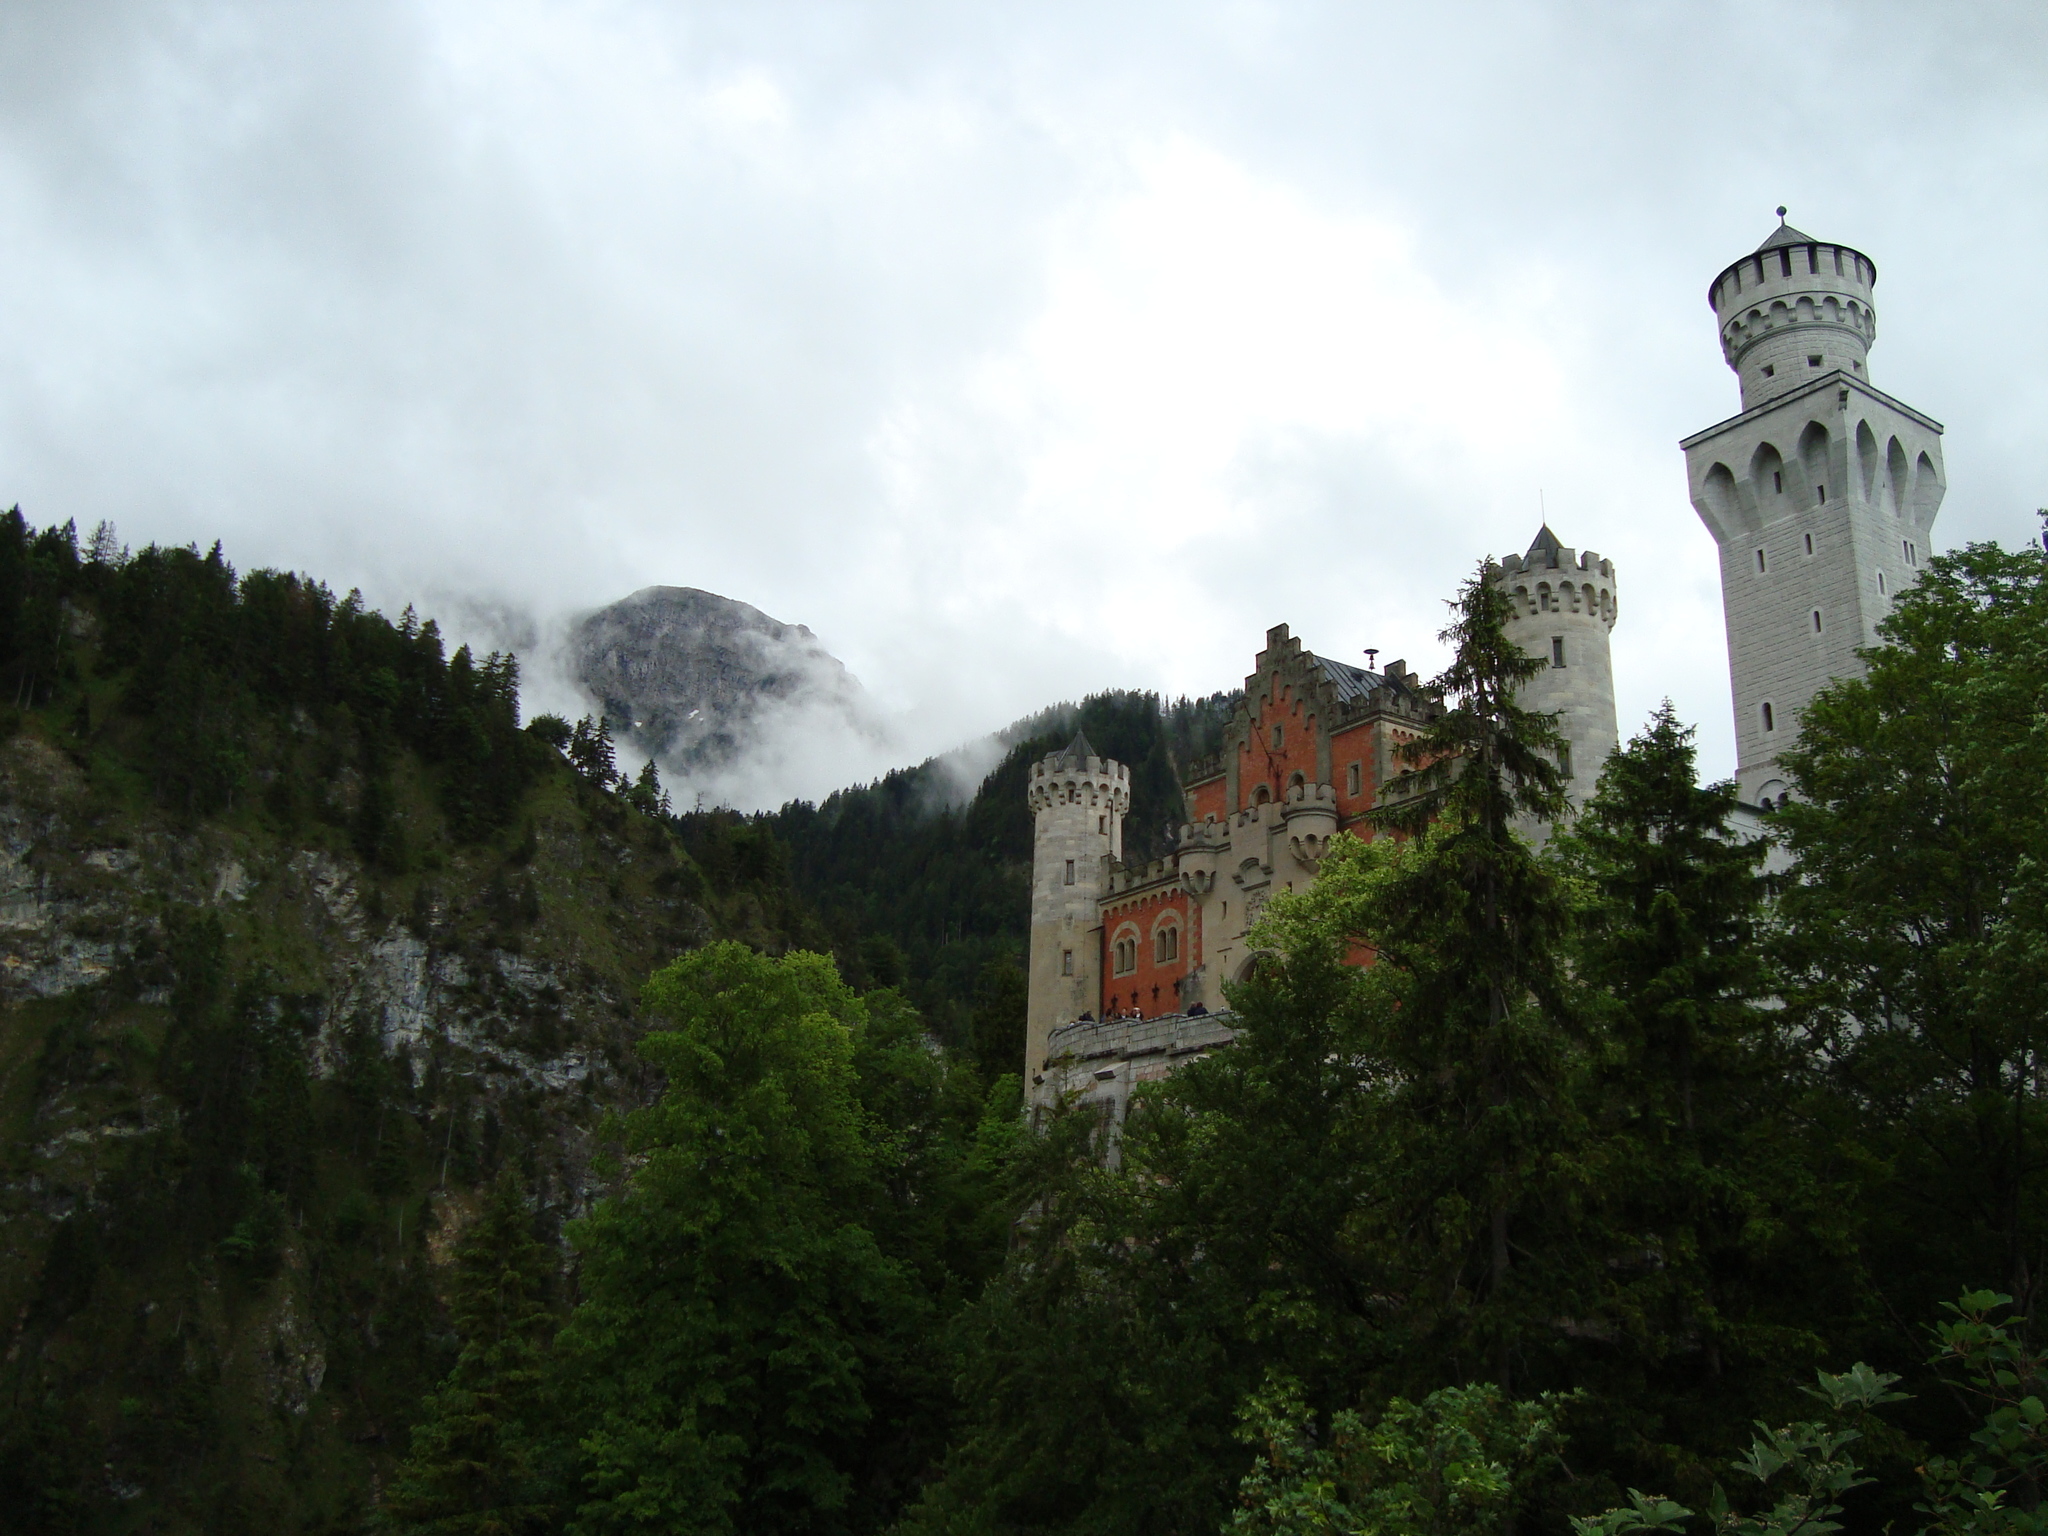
(1793, 309)
(1822, 492)
(1565, 610)
(1078, 802)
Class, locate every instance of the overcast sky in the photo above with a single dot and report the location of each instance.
(1019, 350)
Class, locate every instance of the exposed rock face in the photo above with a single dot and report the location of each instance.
(693, 678)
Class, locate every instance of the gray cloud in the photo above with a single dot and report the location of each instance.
(1017, 351)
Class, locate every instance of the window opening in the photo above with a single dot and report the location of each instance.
(1102, 822)
(1760, 561)
(1557, 650)
(1066, 962)
(1816, 621)
(1070, 871)
(1785, 261)
(1809, 542)
(1823, 497)
(1770, 371)
(1880, 583)
(1564, 759)
(1770, 724)
(1352, 779)
(1813, 359)
(1279, 735)
(1778, 481)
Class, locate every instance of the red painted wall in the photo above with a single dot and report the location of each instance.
(1151, 985)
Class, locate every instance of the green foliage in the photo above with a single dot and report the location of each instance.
(1997, 1487)
(1916, 944)
(476, 1467)
(1449, 1464)
(765, 1284)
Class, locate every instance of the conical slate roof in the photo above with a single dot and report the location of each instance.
(1547, 542)
(1078, 752)
(1785, 234)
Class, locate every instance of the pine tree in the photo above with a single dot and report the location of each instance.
(475, 1467)
(1476, 924)
(1702, 1207)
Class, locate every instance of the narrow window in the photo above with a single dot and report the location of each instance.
(1785, 261)
(1813, 258)
(1770, 371)
(1760, 560)
(1564, 759)
(1880, 583)
(1778, 481)
(1838, 261)
(1557, 650)
(1823, 497)
(1809, 537)
(1066, 962)
(1352, 780)
(1279, 735)
(1070, 871)
(1770, 724)
(1857, 366)
(1816, 621)
(1813, 359)
(1102, 822)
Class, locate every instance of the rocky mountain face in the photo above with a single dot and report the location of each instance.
(697, 680)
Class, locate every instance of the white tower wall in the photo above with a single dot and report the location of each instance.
(1822, 494)
(1078, 804)
(1565, 608)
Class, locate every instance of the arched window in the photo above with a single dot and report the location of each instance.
(1166, 942)
(1297, 781)
(1261, 795)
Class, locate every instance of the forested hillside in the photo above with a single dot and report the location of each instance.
(306, 942)
(409, 1125)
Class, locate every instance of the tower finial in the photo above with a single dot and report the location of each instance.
(1781, 213)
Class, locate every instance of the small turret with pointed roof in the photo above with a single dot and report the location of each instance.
(1077, 753)
(1793, 310)
(1564, 609)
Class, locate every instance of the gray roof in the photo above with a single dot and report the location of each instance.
(1078, 752)
(1546, 541)
(1785, 234)
(1350, 682)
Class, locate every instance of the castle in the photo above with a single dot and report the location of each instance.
(1820, 493)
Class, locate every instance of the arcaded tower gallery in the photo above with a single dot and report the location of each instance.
(1821, 493)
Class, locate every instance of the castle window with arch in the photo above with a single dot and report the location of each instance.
(1166, 943)
(1770, 718)
(1297, 780)
(1124, 954)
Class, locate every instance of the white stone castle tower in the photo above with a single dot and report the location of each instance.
(1078, 803)
(1564, 612)
(1821, 493)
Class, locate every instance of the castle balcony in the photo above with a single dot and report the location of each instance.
(1099, 1063)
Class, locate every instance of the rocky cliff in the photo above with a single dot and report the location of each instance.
(697, 680)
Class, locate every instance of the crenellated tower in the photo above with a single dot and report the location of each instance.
(1822, 493)
(1078, 803)
(1564, 613)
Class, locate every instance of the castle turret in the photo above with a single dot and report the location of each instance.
(1564, 611)
(1078, 803)
(1822, 493)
